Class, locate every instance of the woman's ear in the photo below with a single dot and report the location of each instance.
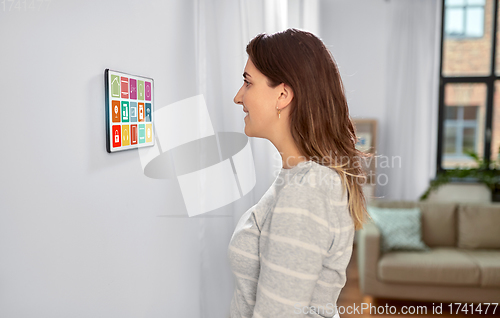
(286, 95)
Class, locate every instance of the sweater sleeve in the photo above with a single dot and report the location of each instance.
(292, 252)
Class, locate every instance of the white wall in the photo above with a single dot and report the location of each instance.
(84, 233)
(356, 32)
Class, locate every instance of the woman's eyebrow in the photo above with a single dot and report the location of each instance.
(246, 74)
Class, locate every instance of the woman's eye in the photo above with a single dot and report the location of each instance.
(247, 82)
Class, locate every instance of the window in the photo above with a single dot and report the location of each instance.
(461, 131)
(464, 18)
(469, 105)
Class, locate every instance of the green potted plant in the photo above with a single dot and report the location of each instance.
(490, 177)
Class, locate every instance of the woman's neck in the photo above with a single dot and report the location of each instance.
(290, 155)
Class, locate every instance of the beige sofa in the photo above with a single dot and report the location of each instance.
(463, 264)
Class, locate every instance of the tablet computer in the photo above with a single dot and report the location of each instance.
(129, 111)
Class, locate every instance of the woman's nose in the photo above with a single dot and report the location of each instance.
(237, 98)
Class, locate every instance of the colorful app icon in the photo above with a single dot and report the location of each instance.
(115, 86)
(125, 135)
(149, 133)
(142, 134)
(141, 112)
(147, 89)
(125, 112)
(133, 112)
(148, 112)
(116, 135)
(124, 87)
(133, 89)
(140, 90)
(133, 134)
(115, 111)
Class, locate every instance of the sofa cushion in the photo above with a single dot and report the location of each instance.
(394, 204)
(439, 266)
(439, 223)
(478, 226)
(489, 265)
(438, 220)
(400, 228)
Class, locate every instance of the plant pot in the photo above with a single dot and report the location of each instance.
(495, 193)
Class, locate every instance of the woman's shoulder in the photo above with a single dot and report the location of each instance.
(315, 177)
(319, 188)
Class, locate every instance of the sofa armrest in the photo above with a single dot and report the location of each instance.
(368, 253)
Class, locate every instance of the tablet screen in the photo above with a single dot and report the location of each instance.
(129, 111)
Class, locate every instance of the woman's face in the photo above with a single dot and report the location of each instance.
(259, 102)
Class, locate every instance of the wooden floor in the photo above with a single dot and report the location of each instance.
(351, 296)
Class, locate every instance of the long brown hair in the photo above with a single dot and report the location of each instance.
(319, 117)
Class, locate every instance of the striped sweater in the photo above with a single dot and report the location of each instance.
(289, 252)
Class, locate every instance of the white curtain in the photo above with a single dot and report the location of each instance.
(407, 145)
(222, 30)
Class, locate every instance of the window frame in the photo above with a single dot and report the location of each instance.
(489, 81)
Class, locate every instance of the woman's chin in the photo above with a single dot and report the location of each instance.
(247, 131)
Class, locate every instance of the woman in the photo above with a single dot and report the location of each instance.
(289, 252)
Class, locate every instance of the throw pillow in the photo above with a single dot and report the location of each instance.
(401, 229)
(478, 226)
